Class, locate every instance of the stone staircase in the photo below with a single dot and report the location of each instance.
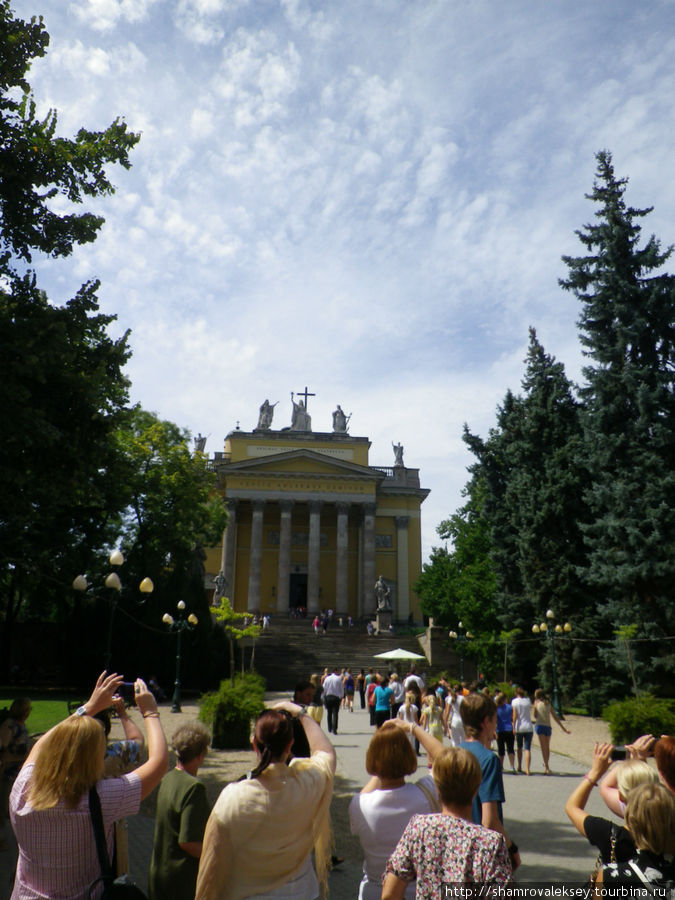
(289, 651)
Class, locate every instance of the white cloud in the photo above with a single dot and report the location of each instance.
(369, 198)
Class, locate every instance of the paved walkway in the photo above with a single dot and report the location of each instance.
(551, 849)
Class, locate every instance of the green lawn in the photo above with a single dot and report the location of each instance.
(48, 708)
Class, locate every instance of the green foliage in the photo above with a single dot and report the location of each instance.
(61, 381)
(45, 712)
(626, 328)
(171, 511)
(630, 718)
(234, 628)
(36, 165)
(231, 709)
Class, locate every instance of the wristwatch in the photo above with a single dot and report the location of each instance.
(81, 711)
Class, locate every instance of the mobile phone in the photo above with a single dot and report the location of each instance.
(126, 691)
(619, 752)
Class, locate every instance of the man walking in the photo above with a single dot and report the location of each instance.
(333, 692)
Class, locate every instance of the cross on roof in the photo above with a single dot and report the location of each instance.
(305, 394)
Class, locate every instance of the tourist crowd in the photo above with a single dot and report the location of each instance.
(269, 834)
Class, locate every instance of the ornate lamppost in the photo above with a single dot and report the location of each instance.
(462, 638)
(113, 583)
(179, 625)
(552, 632)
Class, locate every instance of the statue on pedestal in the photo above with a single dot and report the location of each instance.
(301, 419)
(382, 593)
(265, 416)
(200, 443)
(340, 421)
(398, 454)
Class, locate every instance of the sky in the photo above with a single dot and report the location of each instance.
(369, 198)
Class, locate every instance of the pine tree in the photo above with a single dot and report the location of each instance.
(627, 327)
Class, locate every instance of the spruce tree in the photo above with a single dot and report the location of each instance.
(627, 328)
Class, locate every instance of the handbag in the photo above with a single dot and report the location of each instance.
(122, 887)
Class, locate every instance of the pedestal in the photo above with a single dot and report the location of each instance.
(383, 619)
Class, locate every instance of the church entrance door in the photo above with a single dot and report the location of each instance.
(297, 595)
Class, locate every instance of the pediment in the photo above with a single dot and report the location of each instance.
(308, 462)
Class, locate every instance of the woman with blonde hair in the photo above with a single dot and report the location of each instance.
(614, 842)
(431, 719)
(650, 819)
(380, 813)
(447, 847)
(315, 708)
(410, 714)
(49, 804)
(542, 713)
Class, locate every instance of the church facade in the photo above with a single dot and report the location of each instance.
(312, 524)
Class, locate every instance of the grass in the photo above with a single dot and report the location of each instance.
(48, 708)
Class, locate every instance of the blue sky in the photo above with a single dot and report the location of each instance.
(368, 197)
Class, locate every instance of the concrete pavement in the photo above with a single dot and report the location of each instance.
(550, 847)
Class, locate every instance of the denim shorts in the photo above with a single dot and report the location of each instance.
(524, 737)
(543, 729)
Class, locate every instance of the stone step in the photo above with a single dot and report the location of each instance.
(285, 654)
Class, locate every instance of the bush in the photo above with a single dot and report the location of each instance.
(230, 710)
(630, 718)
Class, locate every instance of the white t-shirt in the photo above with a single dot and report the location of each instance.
(414, 679)
(522, 707)
(378, 819)
(398, 690)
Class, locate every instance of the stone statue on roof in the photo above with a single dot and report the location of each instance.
(265, 415)
(301, 419)
(340, 421)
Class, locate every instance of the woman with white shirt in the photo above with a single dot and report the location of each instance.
(454, 727)
(410, 713)
(380, 813)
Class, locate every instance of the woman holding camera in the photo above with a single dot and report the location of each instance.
(49, 804)
(615, 843)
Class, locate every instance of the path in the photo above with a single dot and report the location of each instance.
(551, 849)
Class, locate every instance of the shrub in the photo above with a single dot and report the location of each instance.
(630, 718)
(230, 710)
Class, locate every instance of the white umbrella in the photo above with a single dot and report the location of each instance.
(399, 653)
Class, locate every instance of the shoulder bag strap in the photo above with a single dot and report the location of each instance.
(641, 875)
(434, 805)
(99, 834)
(612, 842)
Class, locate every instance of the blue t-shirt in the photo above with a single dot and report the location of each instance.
(491, 788)
(382, 698)
(505, 717)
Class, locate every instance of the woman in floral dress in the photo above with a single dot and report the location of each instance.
(448, 847)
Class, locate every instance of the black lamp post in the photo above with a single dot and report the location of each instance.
(112, 582)
(462, 638)
(552, 632)
(179, 625)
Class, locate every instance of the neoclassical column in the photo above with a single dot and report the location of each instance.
(229, 549)
(313, 552)
(255, 555)
(402, 577)
(341, 573)
(369, 558)
(284, 574)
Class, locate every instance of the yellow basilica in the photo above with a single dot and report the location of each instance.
(312, 524)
